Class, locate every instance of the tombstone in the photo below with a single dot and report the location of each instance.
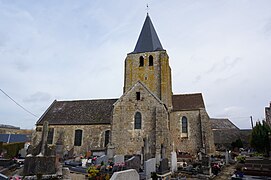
(22, 152)
(149, 167)
(206, 161)
(84, 162)
(88, 154)
(110, 151)
(163, 168)
(103, 158)
(174, 167)
(206, 165)
(44, 162)
(70, 153)
(200, 156)
(133, 163)
(66, 173)
(59, 147)
(118, 159)
(227, 157)
(146, 149)
(130, 174)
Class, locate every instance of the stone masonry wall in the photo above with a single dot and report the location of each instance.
(199, 135)
(207, 133)
(157, 77)
(125, 138)
(193, 142)
(92, 136)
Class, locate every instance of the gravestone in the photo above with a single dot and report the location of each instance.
(110, 151)
(129, 174)
(118, 159)
(103, 158)
(45, 162)
(227, 157)
(133, 163)
(71, 153)
(22, 152)
(174, 167)
(206, 161)
(149, 167)
(163, 168)
(84, 162)
(59, 147)
(206, 165)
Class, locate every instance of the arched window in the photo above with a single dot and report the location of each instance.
(141, 61)
(184, 124)
(138, 120)
(150, 60)
(78, 137)
(50, 136)
(106, 137)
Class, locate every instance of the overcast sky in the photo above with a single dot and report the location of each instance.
(68, 50)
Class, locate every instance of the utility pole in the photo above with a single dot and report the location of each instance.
(251, 120)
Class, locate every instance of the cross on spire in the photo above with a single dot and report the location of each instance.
(147, 8)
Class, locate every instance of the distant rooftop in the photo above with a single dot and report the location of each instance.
(8, 126)
(14, 138)
(222, 124)
(148, 40)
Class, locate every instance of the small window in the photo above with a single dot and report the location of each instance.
(141, 61)
(138, 120)
(50, 136)
(78, 137)
(184, 124)
(150, 60)
(137, 95)
(106, 137)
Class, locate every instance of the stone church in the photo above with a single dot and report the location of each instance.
(147, 119)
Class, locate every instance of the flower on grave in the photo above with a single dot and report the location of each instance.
(92, 171)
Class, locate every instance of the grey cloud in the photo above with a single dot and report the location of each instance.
(267, 28)
(21, 66)
(38, 97)
(226, 64)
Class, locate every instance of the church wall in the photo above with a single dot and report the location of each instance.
(125, 138)
(193, 142)
(92, 136)
(199, 135)
(207, 131)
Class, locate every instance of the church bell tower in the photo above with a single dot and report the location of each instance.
(149, 64)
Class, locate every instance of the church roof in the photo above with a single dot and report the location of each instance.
(187, 102)
(148, 40)
(222, 124)
(84, 112)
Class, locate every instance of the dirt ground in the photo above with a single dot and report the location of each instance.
(226, 173)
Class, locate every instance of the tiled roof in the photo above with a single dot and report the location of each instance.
(79, 112)
(13, 138)
(225, 136)
(187, 102)
(222, 124)
(148, 40)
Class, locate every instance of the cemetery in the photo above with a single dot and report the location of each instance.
(52, 162)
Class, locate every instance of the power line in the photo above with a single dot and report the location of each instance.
(17, 103)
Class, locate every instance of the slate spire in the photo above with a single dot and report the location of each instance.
(148, 40)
